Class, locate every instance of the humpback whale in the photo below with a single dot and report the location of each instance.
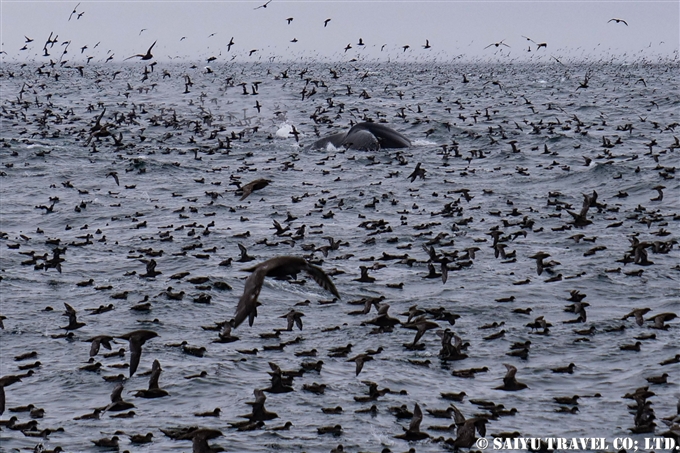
(365, 137)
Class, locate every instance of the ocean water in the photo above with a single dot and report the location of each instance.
(176, 203)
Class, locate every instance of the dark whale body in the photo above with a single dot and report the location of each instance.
(365, 137)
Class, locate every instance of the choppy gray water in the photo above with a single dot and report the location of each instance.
(108, 230)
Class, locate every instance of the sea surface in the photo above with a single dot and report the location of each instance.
(178, 163)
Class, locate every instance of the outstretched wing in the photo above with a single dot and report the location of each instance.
(510, 375)
(116, 394)
(155, 375)
(458, 416)
(322, 279)
(135, 353)
(417, 418)
(585, 207)
(247, 305)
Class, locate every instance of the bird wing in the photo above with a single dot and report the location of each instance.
(71, 313)
(585, 207)
(458, 416)
(480, 424)
(320, 277)
(360, 364)
(116, 394)
(94, 348)
(421, 327)
(247, 190)
(260, 397)
(135, 353)
(155, 375)
(414, 426)
(639, 320)
(466, 435)
(247, 304)
(511, 371)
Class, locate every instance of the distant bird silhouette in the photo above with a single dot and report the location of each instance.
(538, 44)
(427, 44)
(264, 6)
(289, 20)
(74, 11)
(497, 44)
(617, 21)
(326, 22)
(147, 55)
(231, 43)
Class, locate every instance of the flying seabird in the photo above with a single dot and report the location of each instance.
(147, 55)
(264, 6)
(497, 44)
(617, 21)
(281, 266)
(137, 339)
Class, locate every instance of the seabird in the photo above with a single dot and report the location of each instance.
(281, 266)
(137, 339)
(510, 383)
(264, 6)
(117, 403)
(413, 432)
(147, 55)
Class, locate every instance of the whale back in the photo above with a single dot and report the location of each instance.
(386, 136)
(365, 137)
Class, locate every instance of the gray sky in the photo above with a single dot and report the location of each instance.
(572, 30)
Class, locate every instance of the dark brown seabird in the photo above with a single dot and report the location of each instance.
(146, 56)
(280, 266)
(137, 338)
(510, 383)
